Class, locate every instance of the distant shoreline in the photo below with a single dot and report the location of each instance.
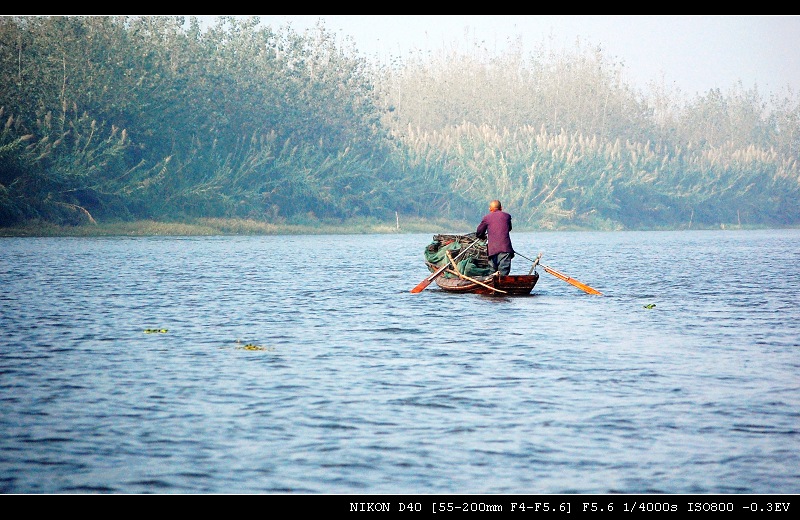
(243, 227)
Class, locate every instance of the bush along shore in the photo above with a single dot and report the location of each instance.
(154, 118)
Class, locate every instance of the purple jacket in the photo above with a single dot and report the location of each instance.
(498, 224)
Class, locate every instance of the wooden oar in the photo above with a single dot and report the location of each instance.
(473, 280)
(452, 261)
(427, 281)
(572, 281)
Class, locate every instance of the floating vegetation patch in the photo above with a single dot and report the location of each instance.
(155, 331)
(252, 346)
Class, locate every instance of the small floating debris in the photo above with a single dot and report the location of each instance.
(649, 306)
(155, 331)
(250, 346)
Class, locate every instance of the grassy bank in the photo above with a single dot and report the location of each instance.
(214, 226)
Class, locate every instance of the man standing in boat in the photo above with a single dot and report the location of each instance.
(497, 223)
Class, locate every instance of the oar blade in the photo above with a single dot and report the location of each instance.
(421, 286)
(584, 287)
(572, 281)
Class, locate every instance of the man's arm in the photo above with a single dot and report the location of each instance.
(481, 231)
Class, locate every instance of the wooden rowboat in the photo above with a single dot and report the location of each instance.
(472, 274)
(512, 285)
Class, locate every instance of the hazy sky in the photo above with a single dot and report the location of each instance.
(691, 52)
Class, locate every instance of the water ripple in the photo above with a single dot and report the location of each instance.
(351, 384)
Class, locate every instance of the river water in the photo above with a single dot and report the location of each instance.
(304, 365)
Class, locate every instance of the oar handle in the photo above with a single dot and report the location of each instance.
(535, 263)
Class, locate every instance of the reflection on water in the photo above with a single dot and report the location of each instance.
(303, 364)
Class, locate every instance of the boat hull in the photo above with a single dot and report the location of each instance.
(512, 285)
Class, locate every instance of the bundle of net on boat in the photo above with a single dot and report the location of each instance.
(475, 262)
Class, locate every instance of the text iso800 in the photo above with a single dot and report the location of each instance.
(710, 507)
